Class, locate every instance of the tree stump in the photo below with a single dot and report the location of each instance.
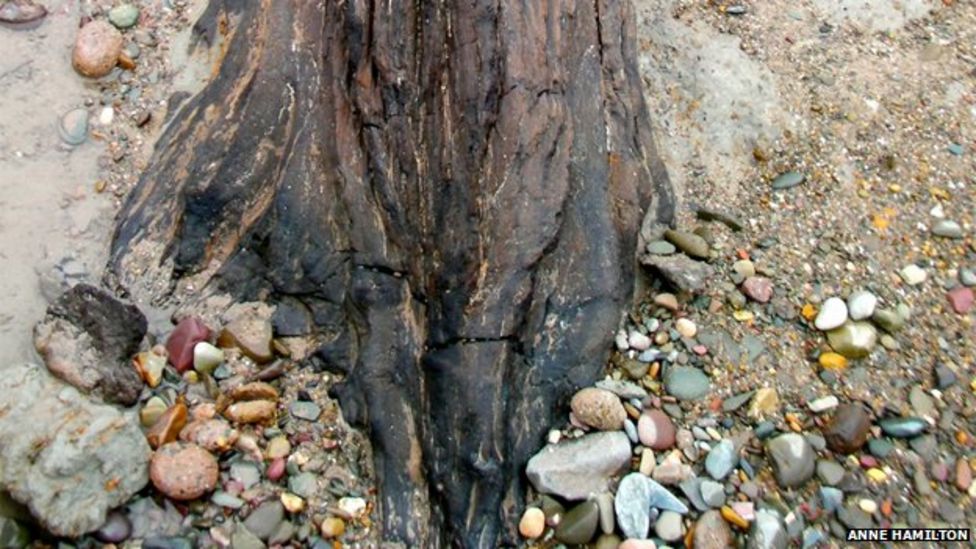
(452, 191)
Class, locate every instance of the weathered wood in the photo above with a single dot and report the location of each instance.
(454, 192)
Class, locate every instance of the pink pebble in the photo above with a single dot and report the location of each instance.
(961, 299)
(637, 544)
(656, 430)
(940, 471)
(276, 470)
(745, 509)
(868, 462)
(180, 342)
(758, 288)
(700, 350)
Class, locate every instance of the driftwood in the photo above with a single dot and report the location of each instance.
(453, 191)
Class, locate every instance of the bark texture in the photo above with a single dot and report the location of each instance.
(452, 191)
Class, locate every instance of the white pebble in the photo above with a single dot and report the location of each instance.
(352, 506)
(621, 341)
(686, 328)
(823, 404)
(832, 314)
(639, 341)
(868, 506)
(913, 275)
(860, 305)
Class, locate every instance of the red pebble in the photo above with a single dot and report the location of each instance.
(187, 333)
(961, 299)
(276, 470)
(868, 461)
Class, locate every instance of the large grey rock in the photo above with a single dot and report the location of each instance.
(794, 460)
(579, 468)
(680, 271)
(66, 457)
(633, 506)
(767, 532)
(88, 338)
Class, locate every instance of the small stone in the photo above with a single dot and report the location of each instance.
(744, 268)
(167, 428)
(123, 16)
(832, 361)
(255, 390)
(765, 402)
(888, 320)
(913, 275)
(263, 521)
(117, 528)
(661, 247)
(829, 472)
(733, 403)
(334, 527)
(876, 475)
(691, 244)
(183, 471)
(767, 531)
(306, 484)
(309, 411)
(947, 228)
(721, 460)
(967, 277)
(788, 180)
(823, 404)
(793, 459)
(579, 468)
(906, 427)
(150, 365)
(833, 314)
(730, 515)
(599, 409)
(151, 411)
(278, 447)
(680, 271)
(96, 50)
(533, 523)
(183, 339)
(21, 15)
(638, 341)
(758, 289)
(964, 474)
(579, 524)
(960, 299)
(944, 376)
(686, 328)
(206, 357)
(853, 339)
(712, 493)
(848, 429)
(869, 506)
(724, 218)
(252, 411)
(292, 503)
(880, 448)
(668, 301)
(632, 506)
(352, 505)
(861, 305)
(73, 128)
(623, 389)
(276, 470)
(656, 430)
(687, 383)
(251, 334)
(669, 526)
(712, 532)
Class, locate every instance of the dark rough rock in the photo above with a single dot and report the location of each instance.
(88, 339)
(848, 428)
(378, 172)
(74, 448)
(680, 271)
(724, 218)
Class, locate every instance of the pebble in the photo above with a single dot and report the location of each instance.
(823, 404)
(687, 383)
(656, 430)
(765, 402)
(599, 409)
(869, 506)
(183, 471)
(96, 50)
(946, 228)
(744, 268)
(265, 518)
(167, 428)
(967, 277)
(647, 462)
(758, 289)
(944, 376)
(631, 505)
(206, 357)
(607, 523)
(334, 527)
(533, 523)
(767, 531)
(661, 247)
(305, 484)
(245, 473)
(680, 271)
(224, 499)
(833, 314)
(307, 410)
(913, 275)
(151, 411)
(579, 524)
(788, 180)
(666, 300)
(731, 516)
(793, 459)
(292, 503)
(181, 342)
(889, 320)
(721, 460)
(831, 498)
(352, 506)
(964, 474)
(73, 128)
(829, 472)
(578, 468)
(669, 526)
(116, 529)
(623, 389)
(21, 15)
(832, 361)
(250, 334)
(906, 427)
(848, 429)
(880, 448)
(861, 305)
(712, 532)
(123, 16)
(252, 411)
(712, 493)
(276, 469)
(689, 243)
(242, 538)
(686, 328)
(960, 299)
(638, 341)
(854, 339)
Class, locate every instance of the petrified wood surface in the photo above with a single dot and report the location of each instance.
(453, 190)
